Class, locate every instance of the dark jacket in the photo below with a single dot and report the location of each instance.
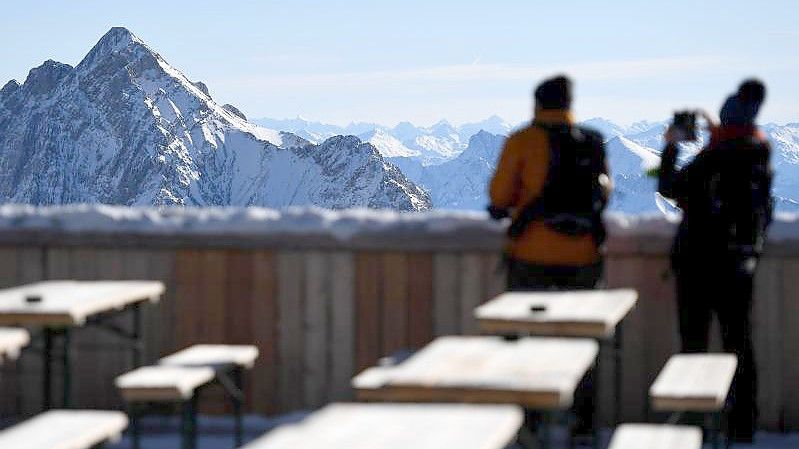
(724, 193)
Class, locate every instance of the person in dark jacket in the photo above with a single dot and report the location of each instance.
(725, 196)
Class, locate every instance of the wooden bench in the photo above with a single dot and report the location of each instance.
(178, 378)
(695, 383)
(399, 426)
(656, 436)
(65, 429)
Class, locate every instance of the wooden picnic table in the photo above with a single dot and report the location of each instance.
(538, 373)
(575, 313)
(59, 306)
(566, 313)
(398, 426)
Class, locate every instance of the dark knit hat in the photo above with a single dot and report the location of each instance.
(554, 93)
(742, 107)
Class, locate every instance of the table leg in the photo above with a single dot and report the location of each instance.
(617, 375)
(595, 388)
(544, 430)
(715, 429)
(136, 336)
(135, 431)
(189, 423)
(47, 354)
(66, 366)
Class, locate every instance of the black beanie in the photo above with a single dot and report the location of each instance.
(752, 91)
(742, 107)
(554, 93)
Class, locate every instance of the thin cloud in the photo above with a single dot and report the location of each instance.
(610, 70)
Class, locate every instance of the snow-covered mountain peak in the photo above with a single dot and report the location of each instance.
(386, 144)
(46, 77)
(484, 145)
(443, 129)
(125, 127)
(9, 87)
(607, 128)
(116, 41)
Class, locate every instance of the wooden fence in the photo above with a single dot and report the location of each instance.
(321, 313)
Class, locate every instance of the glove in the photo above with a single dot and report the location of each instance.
(498, 213)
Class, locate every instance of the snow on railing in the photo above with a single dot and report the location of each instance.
(341, 226)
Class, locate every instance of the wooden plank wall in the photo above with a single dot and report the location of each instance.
(319, 316)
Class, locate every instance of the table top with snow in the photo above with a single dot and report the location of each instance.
(400, 426)
(587, 313)
(536, 372)
(70, 303)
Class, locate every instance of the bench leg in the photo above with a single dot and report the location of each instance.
(544, 430)
(47, 368)
(189, 423)
(715, 429)
(66, 366)
(595, 387)
(237, 405)
(135, 431)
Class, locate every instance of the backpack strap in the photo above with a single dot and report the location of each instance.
(535, 207)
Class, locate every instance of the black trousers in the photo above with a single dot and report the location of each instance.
(523, 276)
(722, 286)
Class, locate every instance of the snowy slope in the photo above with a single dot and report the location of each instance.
(634, 191)
(125, 127)
(462, 183)
(388, 145)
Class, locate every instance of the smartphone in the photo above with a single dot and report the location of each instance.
(684, 125)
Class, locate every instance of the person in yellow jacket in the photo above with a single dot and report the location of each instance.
(542, 256)
(552, 180)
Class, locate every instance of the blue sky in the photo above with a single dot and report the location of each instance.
(389, 61)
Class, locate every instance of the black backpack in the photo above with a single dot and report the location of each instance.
(735, 204)
(572, 199)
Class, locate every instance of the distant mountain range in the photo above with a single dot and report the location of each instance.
(125, 127)
(457, 178)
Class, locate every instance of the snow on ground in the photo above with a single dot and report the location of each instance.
(217, 433)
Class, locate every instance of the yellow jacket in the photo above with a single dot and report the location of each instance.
(519, 178)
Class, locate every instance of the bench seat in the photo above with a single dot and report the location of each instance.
(65, 429)
(163, 383)
(694, 383)
(656, 436)
(243, 356)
